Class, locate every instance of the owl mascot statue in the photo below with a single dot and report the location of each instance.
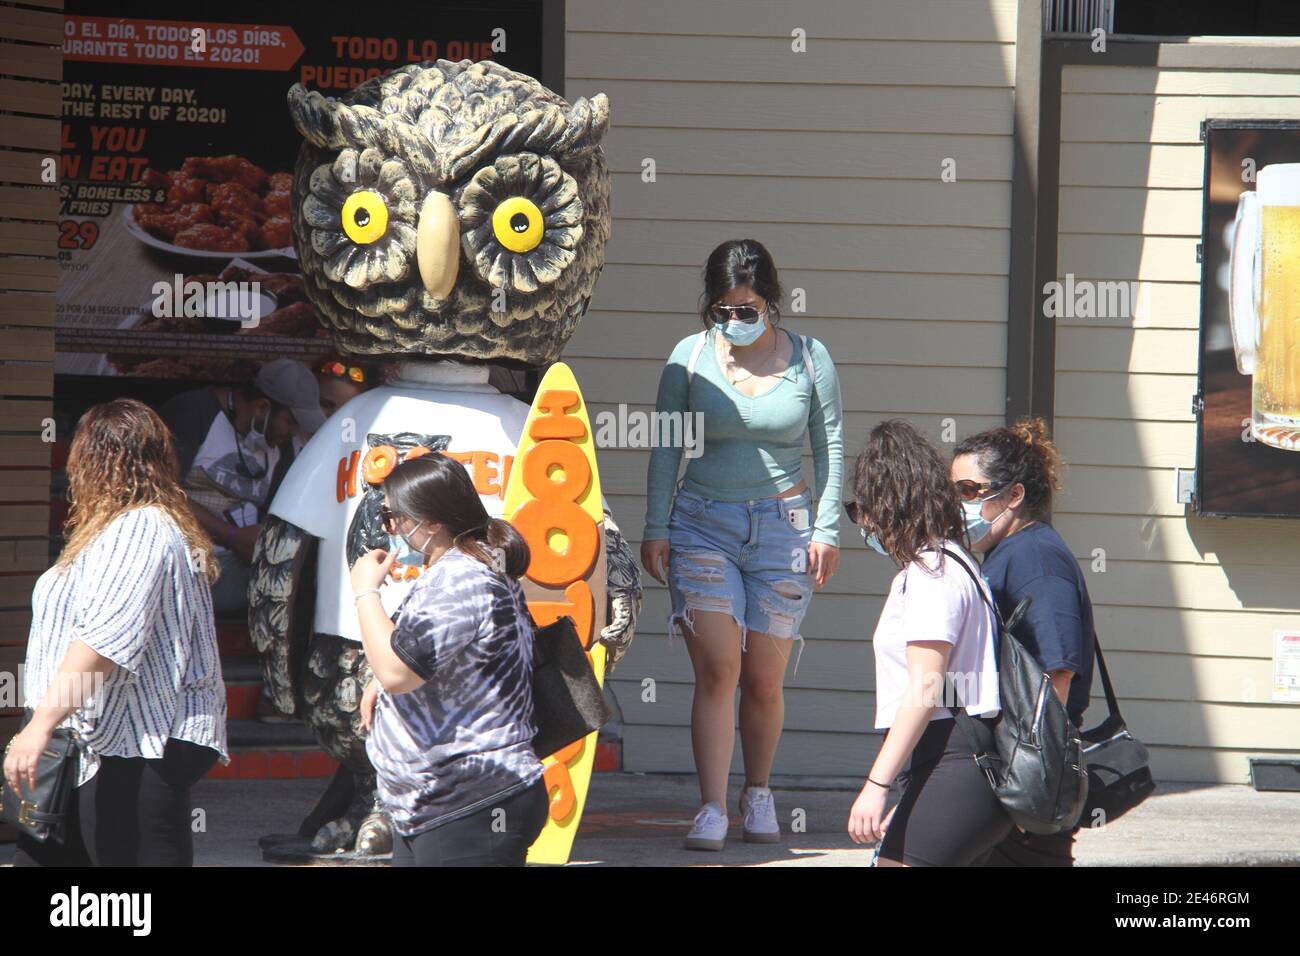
(446, 216)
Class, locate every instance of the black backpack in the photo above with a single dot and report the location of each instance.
(1033, 754)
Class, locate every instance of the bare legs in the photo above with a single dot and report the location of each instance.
(720, 667)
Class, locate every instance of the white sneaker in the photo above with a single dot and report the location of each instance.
(709, 831)
(759, 813)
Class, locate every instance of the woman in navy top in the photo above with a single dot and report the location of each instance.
(1005, 478)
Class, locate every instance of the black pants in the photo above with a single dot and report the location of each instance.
(948, 814)
(132, 812)
(1032, 849)
(498, 835)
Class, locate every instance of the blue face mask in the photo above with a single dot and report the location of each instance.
(873, 542)
(977, 526)
(742, 333)
(407, 553)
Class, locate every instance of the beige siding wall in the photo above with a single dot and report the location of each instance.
(1186, 606)
(832, 159)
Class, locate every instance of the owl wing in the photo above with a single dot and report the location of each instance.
(281, 607)
(623, 593)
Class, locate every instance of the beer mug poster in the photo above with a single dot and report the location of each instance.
(1248, 437)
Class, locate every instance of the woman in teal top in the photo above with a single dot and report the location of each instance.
(744, 540)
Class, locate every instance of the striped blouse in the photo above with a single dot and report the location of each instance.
(133, 597)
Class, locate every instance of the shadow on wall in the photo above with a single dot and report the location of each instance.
(1186, 606)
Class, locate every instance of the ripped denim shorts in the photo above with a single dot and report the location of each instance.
(743, 558)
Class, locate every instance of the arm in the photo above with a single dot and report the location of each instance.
(934, 610)
(79, 674)
(1052, 629)
(927, 661)
(119, 596)
(826, 435)
(376, 627)
(661, 476)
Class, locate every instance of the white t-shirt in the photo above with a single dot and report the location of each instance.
(937, 606)
(476, 418)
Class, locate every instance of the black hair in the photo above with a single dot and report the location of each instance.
(740, 262)
(1021, 453)
(439, 489)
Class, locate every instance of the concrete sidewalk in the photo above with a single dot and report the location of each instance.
(640, 819)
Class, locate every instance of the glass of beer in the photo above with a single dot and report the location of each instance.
(1264, 302)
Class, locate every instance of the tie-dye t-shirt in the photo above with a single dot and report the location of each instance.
(463, 739)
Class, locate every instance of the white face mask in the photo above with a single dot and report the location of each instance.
(254, 449)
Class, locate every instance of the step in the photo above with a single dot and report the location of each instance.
(261, 751)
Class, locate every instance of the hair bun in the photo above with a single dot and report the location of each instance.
(1033, 432)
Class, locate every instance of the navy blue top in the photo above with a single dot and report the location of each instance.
(1057, 629)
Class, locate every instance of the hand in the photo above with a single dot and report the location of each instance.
(654, 558)
(21, 756)
(368, 698)
(867, 818)
(371, 569)
(823, 560)
(242, 541)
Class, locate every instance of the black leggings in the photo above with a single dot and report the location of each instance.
(948, 814)
(473, 840)
(132, 812)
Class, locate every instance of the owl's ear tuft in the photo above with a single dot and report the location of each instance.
(314, 117)
(584, 126)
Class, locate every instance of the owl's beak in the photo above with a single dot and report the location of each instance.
(437, 245)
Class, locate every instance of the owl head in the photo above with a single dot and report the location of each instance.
(454, 210)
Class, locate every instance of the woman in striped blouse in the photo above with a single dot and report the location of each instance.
(123, 650)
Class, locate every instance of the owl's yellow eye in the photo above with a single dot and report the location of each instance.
(517, 223)
(365, 216)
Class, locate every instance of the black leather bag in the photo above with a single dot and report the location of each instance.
(1119, 773)
(1033, 756)
(42, 813)
(568, 703)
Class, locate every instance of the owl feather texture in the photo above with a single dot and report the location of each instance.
(525, 175)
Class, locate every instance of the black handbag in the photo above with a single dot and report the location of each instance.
(42, 813)
(1119, 775)
(568, 703)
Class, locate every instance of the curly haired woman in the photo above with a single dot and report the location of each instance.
(126, 611)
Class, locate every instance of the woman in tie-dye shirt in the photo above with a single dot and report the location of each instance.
(451, 707)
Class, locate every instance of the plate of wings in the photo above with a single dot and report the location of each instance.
(216, 207)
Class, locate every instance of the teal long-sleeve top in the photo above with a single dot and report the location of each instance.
(752, 447)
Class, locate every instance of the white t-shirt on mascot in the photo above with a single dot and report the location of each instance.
(483, 425)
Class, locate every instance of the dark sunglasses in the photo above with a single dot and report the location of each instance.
(968, 490)
(745, 313)
(854, 511)
(389, 519)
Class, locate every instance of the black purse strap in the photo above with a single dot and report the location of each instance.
(1112, 702)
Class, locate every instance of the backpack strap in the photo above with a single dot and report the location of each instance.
(807, 359)
(695, 356)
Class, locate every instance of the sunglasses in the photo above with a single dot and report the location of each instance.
(745, 313)
(968, 490)
(389, 519)
(854, 511)
(339, 370)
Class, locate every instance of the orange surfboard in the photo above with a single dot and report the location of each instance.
(553, 499)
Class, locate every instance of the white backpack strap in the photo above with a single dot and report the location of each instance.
(695, 356)
(807, 359)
